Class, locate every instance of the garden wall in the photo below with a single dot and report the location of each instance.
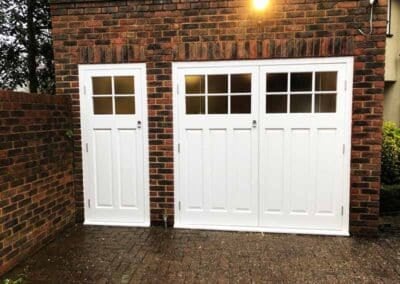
(36, 181)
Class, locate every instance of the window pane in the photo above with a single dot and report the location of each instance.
(217, 84)
(101, 85)
(325, 81)
(300, 82)
(125, 105)
(195, 84)
(300, 103)
(240, 104)
(217, 104)
(195, 105)
(277, 104)
(325, 103)
(102, 105)
(124, 85)
(277, 82)
(241, 83)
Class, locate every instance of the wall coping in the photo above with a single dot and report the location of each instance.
(22, 97)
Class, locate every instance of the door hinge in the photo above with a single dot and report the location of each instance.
(179, 147)
(88, 203)
(342, 210)
(345, 85)
(87, 147)
(177, 89)
(84, 90)
(344, 149)
(179, 206)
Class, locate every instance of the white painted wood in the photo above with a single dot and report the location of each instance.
(115, 165)
(314, 189)
(288, 174)
(218, 159)
(102, 165)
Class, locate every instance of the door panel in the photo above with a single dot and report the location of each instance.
(299, 171)
(326, 170)
(114, 129)
(128, 167)
(195, 167)
(242, 170)
(218, 166)
(303, 165)
(218, 147)
(103, 167)
(273, 175)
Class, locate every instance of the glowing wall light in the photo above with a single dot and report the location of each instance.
(260, 4)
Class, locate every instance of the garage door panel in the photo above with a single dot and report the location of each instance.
(299, 174)
(327, 162)
(194, 168)
(272, 172)
(103, 164)
(241, 170)
(218, 170)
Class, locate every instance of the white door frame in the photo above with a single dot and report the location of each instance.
(141, 68)
(177, 87)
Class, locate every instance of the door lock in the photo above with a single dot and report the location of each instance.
(254, 123)
(139, 124)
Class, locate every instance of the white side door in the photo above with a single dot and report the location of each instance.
(114, 140)
(304, 135)
(217, 174)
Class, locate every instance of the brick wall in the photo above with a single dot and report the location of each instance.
(161, 31)
(36, 182)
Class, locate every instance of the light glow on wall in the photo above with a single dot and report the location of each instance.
(260, 4)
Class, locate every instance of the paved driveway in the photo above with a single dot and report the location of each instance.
(131, 255)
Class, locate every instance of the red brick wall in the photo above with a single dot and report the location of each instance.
(36, 182)
(161, 31)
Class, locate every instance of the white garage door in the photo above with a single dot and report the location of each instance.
(114, 140)
(263, 145)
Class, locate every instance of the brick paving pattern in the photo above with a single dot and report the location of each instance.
(87, 254)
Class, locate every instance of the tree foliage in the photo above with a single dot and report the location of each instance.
(26, 54)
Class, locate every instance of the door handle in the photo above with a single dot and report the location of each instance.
(139, 124)
(254, 123)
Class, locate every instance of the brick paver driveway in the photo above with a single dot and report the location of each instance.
(132, 255)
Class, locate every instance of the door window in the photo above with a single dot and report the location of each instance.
(218, 94)
(325, 91)
(113, 95)
(301, 92)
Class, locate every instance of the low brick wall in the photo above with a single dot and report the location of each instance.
(36, 173)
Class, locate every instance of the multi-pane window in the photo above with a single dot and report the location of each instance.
(113, 95)
(301, 92)
(218, 94)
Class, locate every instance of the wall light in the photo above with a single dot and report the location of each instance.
(260, 4)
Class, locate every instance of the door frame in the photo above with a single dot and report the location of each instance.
(347, 61)
(83, 69)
